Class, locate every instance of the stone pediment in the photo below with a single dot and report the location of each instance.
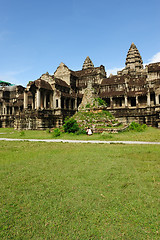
(62, 70)
(63, 73)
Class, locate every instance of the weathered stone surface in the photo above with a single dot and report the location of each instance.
(134, 59)
(131, 95)
(89, 96)
(87, 63)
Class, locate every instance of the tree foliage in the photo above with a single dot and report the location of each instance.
(56, 132)
(137, 127)
(70, 125)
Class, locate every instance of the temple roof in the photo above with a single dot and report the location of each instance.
(39, 83)
(87, 71)
(134, 59)
(153, 67)
(87, 63)
(61, 82)
(132, 81)
(114, 79)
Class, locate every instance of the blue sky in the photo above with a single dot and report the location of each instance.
(37, 35)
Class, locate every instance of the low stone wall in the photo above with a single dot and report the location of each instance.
(7, 121)
(110, 130)
(148, 115)
(37, 120)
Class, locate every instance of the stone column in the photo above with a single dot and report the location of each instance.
(25, 100)
(45, 101)
(33, 101)
(125, 101)
(69, 104)
(12, 110)
(1, 112)
(75, 105)
(38, 98)
(4, 110)
(65, 103)
(148, 99)
(51, 102)
(157, 99)
(59, 105)
(111, 102)
(137, 103)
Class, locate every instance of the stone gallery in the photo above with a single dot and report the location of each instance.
(131, 95)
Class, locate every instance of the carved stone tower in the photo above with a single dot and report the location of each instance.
(133, 60)
(87, 63)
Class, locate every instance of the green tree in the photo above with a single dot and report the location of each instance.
(70, 125)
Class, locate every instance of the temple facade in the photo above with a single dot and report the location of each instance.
(131, 95)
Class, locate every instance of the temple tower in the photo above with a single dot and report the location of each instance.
(134, 59)
(87, 63)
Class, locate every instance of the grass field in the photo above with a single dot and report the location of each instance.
(79, 191)
(150, 134)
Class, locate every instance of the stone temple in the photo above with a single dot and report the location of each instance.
(131, 95)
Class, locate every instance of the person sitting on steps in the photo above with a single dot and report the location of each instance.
(89, 131)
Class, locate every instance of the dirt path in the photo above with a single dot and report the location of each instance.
(79, 141)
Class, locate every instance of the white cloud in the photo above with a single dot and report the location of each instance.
(113, 71)
(155, 58)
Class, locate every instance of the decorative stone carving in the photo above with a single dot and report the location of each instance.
(63, 72)
(88, 97)
(134, 59)
(87, 63)
(131, 95)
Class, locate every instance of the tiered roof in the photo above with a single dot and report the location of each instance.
(134, 59)
(154, 67)
(88, 63)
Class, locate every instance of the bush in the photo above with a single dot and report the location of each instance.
(56, 132)
(108, 114)
(70, 125)
(137, 127)
(88, 105)
(101, 102)
(80, 131)
(22, 133)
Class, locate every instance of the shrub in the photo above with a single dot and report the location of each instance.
(108, 114)
(56, 132)
(88, 105)
(70, 125)
(137, 127)
(81, 131)
(22, 133)
(101, 102)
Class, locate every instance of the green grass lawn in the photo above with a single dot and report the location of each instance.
(150, 134)
(79, 191)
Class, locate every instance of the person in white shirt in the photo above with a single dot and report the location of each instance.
(89, 131)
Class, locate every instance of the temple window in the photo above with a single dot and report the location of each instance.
(67, 103)
(56, 103)
(62, 103)
(153, 98)
(133, 101)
